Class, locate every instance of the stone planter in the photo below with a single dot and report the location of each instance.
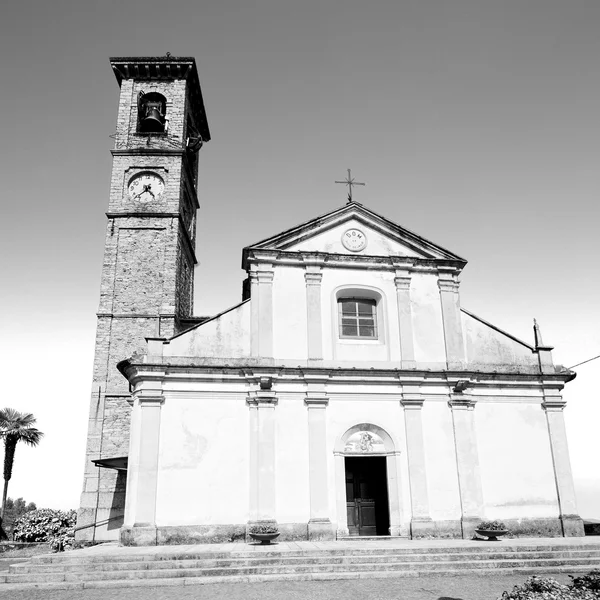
(264, 538)
(491, 534)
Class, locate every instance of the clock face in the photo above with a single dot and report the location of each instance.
(354, 240)
(146, 187)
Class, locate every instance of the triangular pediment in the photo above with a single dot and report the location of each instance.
(332, 233)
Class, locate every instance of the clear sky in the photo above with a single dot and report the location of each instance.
(474, 123)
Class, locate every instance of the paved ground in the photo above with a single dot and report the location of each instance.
(474, 587)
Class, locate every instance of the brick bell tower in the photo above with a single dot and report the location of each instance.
(147, 274)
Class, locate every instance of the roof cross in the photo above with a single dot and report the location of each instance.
(350, 182)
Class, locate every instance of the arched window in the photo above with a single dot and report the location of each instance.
(152, 111)
(357, 318)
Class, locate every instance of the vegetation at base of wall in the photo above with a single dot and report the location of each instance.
(267, 528)
(585, 587)
(14, 510)
(56, 527)
(491, 526)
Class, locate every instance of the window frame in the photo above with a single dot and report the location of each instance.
(373, 317)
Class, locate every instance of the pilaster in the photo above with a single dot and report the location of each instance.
(417, 472)
(571, 522)
(407, 352)
(142, 469)
(319, 525)
(264, 278)
(312, 278)
(254, 318)
(453, 334)
(262, 446)
(467, 462)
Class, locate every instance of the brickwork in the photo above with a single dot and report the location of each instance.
(147, 278)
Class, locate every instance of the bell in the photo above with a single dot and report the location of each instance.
(153, 122)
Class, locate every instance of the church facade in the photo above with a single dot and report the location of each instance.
(347, 394)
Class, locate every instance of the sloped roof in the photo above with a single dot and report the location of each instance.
(295, 239)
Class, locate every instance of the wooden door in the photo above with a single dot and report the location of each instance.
(363, 493)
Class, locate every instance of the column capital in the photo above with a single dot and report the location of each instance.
(149, 397)
(447, 285)
(316, 400)
(412, 401)
(459, 401)
(554, 404)
(313, 278)
(265, 276)
(262, 398)
(402, 282)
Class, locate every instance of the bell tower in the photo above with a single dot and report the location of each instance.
(147, 274)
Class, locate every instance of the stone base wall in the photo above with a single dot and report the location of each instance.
(567, 526)
(571, 526)
(206, 534)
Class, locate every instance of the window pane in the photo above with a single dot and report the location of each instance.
(366, 322)
(367, 331)
(348, 307)
(349, 329)
(365, 308)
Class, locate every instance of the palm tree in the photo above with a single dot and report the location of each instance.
(15, 427)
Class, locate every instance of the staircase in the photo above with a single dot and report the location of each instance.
(109, 565)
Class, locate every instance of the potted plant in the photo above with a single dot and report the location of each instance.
(491, 530)
(264, 532)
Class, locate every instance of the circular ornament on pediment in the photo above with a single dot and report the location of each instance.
(354, 240)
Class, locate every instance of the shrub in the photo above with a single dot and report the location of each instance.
(265, 528)
(591, 581)
(492, 526)
(56, 527)
(546, 588)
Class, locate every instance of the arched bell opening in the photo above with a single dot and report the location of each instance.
(152, 109)
(368, 490)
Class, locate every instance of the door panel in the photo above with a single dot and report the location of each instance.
(366, 496)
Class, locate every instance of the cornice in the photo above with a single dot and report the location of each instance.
(300, 259)
(252, 370)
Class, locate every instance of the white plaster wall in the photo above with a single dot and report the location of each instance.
(347, 411)
(428, 328)
(226, 336)
(487, 346)
(515, 458)
(440, 457)
(203, 460)
(387, 347)
(291, 459)
(289, 313)
(331, 241)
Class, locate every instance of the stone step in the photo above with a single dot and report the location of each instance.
(206, 555)
(187, 581)
(285, 559)
(419, 567)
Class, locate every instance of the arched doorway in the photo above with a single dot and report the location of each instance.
(367, 483)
